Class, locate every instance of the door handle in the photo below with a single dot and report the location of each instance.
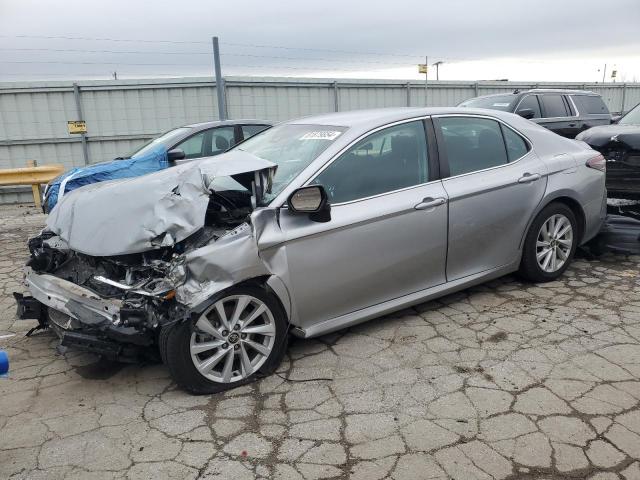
(529, 177)
(572, 124)
(429, 202)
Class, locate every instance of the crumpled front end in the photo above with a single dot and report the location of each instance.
(111, 290)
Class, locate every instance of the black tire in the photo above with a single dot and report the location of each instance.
(175, 342)
(529, 267)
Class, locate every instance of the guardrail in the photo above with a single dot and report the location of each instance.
(31, 175)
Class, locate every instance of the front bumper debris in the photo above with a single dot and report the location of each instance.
(73, 300)
(85, 321)
(28, 307)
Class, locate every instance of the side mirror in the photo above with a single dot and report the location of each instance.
(527, 113)
(615, 118)
(176, 154)
(311, 200)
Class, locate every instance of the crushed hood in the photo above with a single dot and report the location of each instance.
(156, 210)
(627, 135)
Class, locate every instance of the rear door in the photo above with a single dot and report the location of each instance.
(557, 115)
(494, 183)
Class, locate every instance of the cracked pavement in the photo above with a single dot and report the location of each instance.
(504, 380)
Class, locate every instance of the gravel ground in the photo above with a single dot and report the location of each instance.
(505, 380)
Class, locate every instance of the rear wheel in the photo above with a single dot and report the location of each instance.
(550, 244)
(241, 335)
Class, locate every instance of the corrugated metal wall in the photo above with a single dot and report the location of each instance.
(123, 114)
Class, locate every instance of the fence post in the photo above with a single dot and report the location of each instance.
(408, 94)
(624, 97)
(336, 99)
(475, 87)
(83, 136)
(222, 111)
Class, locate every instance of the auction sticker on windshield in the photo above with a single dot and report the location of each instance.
(321, 135)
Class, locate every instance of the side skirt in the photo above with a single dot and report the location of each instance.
(405, 301)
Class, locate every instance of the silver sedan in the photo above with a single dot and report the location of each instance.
(333, 220)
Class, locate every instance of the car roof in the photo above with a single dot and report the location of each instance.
(560, 90)
(381, 116)
(223, 123)
(539, 90)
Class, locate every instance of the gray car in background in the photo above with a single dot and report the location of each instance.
(333, 220)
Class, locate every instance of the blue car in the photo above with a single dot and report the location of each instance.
(171, 148)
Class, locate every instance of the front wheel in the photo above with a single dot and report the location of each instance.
(550, 244)
(241, 335)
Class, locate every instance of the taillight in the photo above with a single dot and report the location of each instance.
(598, 162)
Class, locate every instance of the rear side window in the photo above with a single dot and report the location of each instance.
(590, 104)
(530, 102)
(553, 106)
(516, 145)
(472, 144)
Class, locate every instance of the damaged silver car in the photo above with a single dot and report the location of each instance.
(312, 226)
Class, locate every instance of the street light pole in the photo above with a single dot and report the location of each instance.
(437, 65)
(426, 81)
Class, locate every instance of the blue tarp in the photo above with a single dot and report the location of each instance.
(113, 170)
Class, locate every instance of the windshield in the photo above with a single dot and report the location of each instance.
(502, 102)
(292, 148)
(631, 118)
(165, 139)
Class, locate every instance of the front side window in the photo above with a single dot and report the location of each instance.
(553, 106)
(192, 146)
(472, 144)
(166, 139)
(292, 147)
(385, 161)
(530, 102)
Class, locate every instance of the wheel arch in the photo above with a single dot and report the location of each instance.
(274, 285)
(566, 198)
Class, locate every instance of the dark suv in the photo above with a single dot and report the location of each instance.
(565, 112)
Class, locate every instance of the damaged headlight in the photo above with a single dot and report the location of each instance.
(174, 275)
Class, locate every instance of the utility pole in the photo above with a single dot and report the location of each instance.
(222, 111)
(80, 116)
(604, 73)
(426, 82)
(115, 75)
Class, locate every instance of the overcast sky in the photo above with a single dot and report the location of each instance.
(545, 40)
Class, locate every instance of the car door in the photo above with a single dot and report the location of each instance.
(556, 115)
(387, 236)
(494, 181)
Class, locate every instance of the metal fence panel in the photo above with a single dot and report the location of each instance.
(123, 114)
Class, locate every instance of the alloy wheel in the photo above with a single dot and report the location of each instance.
(554, 243)
(233, 338)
